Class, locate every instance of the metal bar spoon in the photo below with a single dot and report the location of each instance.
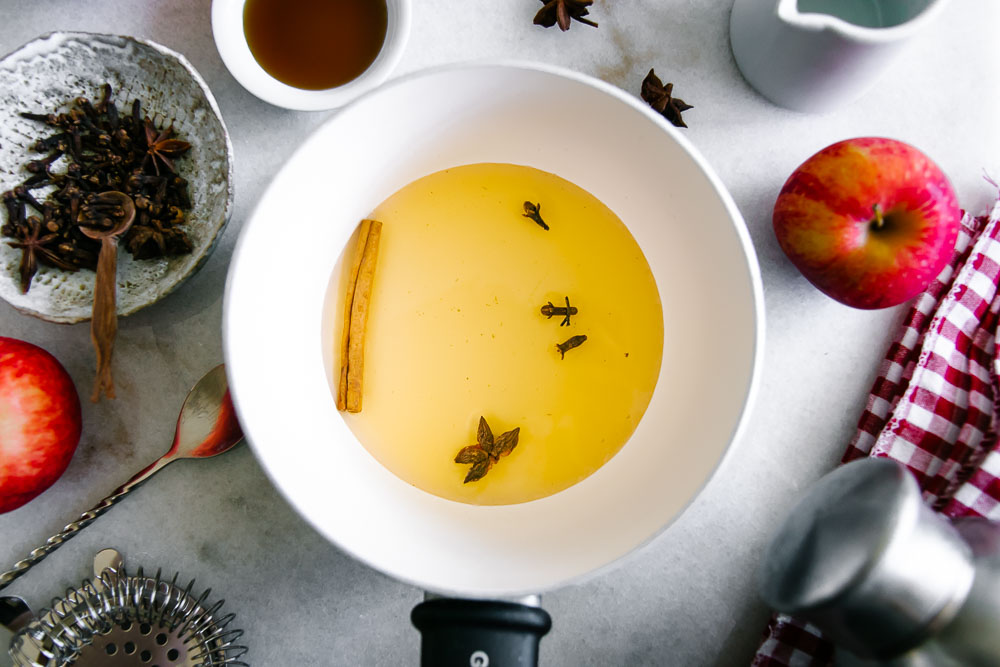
(104, 319)
(206, 427)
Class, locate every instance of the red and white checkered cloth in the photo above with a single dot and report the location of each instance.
(933, 408)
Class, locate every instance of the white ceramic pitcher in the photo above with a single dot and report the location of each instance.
(815, 55)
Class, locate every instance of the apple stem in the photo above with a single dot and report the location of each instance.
(879, 221)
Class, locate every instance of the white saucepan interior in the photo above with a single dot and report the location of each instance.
(583, 130)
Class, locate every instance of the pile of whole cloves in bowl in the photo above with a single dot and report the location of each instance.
(106, 140)
(103, 151)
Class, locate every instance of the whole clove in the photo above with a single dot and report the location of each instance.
(548, 310)
(534, 212)
(569, 344)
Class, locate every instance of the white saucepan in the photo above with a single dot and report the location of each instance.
(278, 337)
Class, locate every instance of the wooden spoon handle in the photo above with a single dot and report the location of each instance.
(104, 321)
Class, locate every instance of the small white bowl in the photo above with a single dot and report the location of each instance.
(231, 41)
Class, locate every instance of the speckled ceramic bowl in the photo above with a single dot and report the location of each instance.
(50, 72)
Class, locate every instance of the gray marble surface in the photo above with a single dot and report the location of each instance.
(688, 598)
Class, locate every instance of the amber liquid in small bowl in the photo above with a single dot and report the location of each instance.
(315, 44)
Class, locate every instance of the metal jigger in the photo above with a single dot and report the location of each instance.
(865, 560)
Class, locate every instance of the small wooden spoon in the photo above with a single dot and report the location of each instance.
(104, 319)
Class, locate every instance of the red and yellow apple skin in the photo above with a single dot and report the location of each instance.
(869, 221)
(39, 421)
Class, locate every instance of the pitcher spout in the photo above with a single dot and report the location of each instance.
(872, 18)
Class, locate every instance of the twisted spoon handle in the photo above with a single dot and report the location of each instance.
(81, 522)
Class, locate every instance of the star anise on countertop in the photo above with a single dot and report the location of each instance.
(33, 246)
(561, 11)
(661, 98)
(486, 451)
(162, 148)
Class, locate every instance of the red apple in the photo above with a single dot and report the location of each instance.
(869, 221)
(39, 421)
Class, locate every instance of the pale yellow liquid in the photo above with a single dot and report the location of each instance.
(456, 332)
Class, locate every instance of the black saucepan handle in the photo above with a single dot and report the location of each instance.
(479, 633)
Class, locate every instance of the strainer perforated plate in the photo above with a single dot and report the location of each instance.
(120, 620)
(129, 644)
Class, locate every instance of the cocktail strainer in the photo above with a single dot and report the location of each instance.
(119, 620)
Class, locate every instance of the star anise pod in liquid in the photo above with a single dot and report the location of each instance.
(561, 11)
(486, 451)
(661, 98)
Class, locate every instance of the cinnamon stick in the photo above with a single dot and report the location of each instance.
(352, 281)
(352, 373)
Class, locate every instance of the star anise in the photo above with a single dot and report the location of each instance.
(33, 247)
(661, 98)
(161, 148)
(486, 451)
(154, 237)
(561, 11)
